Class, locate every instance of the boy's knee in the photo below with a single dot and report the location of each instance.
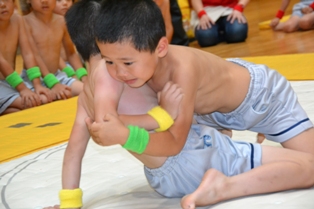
(306, 24)
(288, 28)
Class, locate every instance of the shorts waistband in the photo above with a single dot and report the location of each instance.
(257, 79)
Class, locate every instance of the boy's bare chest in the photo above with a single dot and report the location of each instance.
(9, 43)
(47, 36)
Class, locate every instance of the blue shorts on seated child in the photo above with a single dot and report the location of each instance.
(9, 94)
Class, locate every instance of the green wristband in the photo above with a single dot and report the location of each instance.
(137, 140)
(14, 79)
(33, 73)
(69, 71)
(50, 80)
(81, 72)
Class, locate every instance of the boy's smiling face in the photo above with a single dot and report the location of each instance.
(128, 65)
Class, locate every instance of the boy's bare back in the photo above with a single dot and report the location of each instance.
(48, 36)
(219, 85)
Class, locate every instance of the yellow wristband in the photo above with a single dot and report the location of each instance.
(162, 117)
(71, 198)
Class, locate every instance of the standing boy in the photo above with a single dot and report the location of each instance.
(47, 34)
(15, 95)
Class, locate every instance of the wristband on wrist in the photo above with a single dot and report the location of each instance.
(312, 5)
(80, 73)
(162, 117)
(50, 80)
(14, 79)
(33, 73)
(137, 140)
(69, 71)
(239, 7)
(201, 13)
(280, 14)
(71, 198)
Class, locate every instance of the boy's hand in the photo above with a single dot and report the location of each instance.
(62, 91)
(306, 10)
(260, 138)
(236, 15)
(170, 99)
(29, 98)
(205, 23)
(39, 89)
(274, 22)
(110, 131)
(56, 207)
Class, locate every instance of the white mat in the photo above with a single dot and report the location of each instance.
(112, 178)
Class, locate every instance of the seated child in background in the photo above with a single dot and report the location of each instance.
(47, 32)
(201, 155)
(302, 17)
(219, 21)
(15, 95)
(62, 6)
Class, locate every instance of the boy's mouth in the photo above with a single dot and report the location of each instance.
(4, 12)
(130, 82)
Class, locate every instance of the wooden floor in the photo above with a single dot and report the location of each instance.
(265, 42)
(259, 42)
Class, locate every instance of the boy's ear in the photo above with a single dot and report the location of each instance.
(162, 47)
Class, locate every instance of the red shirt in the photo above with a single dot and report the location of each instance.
(225, 3)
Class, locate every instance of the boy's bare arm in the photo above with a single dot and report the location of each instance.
(70, 51)
(164, 6)
(167, 143)
(71, 172)
(275, 21)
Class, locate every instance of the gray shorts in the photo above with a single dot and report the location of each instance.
(205, 148)
(271, 107)
(9, 94)
(296, 11)
(61, 76)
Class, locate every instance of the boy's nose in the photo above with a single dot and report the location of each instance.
(121, 73)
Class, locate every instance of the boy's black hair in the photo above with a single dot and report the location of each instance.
(137, 21)
(80, 19)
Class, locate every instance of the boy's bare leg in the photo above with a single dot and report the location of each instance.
(303, 142)
(307, 21)
(77, 87)
(281, 169)
(289, 26)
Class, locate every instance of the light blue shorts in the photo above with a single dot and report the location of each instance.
(9, 94)
(205, 148)
(61, 76)
(271, 107)
(296, 11)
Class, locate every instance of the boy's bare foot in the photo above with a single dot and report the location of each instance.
(260, 138)
(210, 191)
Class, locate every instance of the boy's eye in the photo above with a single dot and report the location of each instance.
(109, 62)
(128, 63)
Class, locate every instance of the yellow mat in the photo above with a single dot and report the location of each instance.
(36, 128)
(293, 66)
(265, 25)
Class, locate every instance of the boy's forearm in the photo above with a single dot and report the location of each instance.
(144, 121)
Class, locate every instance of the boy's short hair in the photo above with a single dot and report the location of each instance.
(137, 21)
(80, 19)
